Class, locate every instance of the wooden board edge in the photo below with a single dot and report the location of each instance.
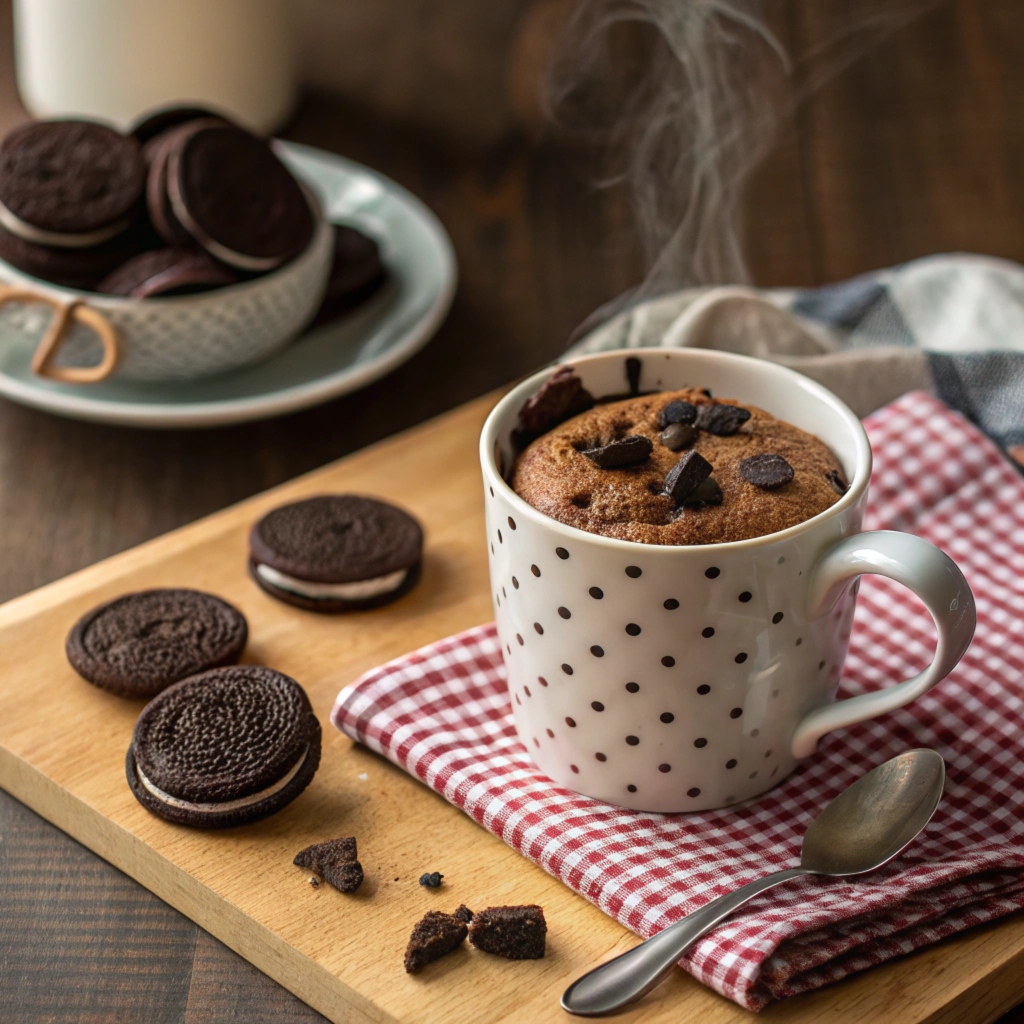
(50, 594)
(266, 951)
(988, 996)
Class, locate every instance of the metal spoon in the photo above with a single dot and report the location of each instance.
(860, 830)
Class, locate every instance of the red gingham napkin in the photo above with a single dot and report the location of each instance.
(442, 714)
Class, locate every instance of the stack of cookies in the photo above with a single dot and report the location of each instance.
(185, 202)
(222, 743)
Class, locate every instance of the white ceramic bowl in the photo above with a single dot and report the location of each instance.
(178, 338)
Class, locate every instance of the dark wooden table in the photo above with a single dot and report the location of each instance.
(916, 148)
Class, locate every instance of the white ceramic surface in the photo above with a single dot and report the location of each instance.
(189, 336)
(116, 59)
(681, 678)
(332, 360)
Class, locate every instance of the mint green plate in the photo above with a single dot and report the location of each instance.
(333, 360)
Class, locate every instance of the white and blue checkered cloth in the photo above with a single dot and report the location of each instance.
(952, 325)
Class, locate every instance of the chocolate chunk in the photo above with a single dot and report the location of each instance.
(708, 493)
(769, 472)
(463, 913)
(513, 932)
(677, 436)
(432, 938)
(431, 879)
(686, 476)
(721, 420)
(839, 485)
(562, 395)
(630, 451)
(633, 368)
(336, 861)
(677, 412)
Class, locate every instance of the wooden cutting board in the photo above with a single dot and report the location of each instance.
(62, 747)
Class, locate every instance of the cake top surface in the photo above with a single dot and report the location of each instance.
(629, 502)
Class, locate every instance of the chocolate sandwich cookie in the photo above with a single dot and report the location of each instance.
(141, 643)
(69, 184)
(336, 553)
(158, 121)
(225, 747)
(357, 272)
(72, 268)
(167, 272)
(232, 194)
(157, 153)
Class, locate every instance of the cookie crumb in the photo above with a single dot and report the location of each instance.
(335, 861)
(517, 933)
(314, 881)
(431, 879)
(435, 936)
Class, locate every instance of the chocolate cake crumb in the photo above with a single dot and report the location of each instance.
(560, 396)
(335, 861)
(516, 933)
(435, 936)
(463, 913)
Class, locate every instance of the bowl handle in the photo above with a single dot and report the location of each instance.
(64, 315)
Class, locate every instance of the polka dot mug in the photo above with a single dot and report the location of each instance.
(682, 678)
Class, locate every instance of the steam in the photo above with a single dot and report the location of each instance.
(687, 97)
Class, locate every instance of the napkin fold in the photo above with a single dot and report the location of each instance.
(442, 713)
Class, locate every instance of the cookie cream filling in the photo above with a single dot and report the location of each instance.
(224, 805)
(361, 590)
(82, 240)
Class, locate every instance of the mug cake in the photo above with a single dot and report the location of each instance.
(669, 467)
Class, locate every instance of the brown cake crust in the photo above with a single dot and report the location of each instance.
(627, 503)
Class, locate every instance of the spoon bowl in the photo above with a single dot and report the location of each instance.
(876, 818)
(863, 828)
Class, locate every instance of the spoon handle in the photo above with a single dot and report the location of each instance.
(631, 975)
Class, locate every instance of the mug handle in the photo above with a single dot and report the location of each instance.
(930, 574)
(64, 314)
